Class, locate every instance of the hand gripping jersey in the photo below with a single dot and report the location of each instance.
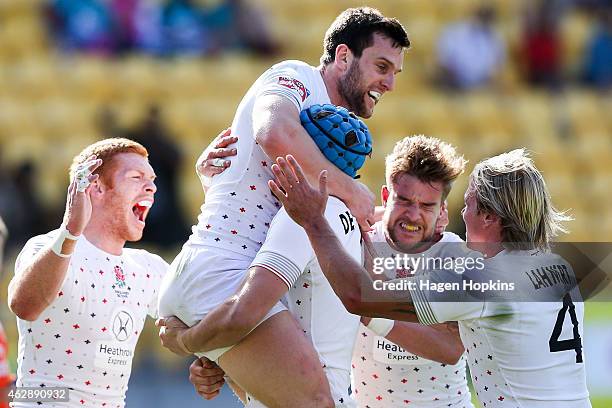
(85, 339)
(520, 353)
(287, 253)
(385, 375)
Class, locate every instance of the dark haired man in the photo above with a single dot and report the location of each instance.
(356, 70)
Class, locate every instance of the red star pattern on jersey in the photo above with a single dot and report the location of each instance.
(80, 322)
(394, 381)
(483, 369)
(250, 203)
(300, 295)
(402, 378)
(403, 272)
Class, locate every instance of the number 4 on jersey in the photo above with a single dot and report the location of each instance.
(570, 344)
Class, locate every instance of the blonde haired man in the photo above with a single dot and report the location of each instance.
(80, 297)
(520, 353)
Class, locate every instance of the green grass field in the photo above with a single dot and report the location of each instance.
(596, 402)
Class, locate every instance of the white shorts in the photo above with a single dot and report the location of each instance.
(339, 383)
(200, 279)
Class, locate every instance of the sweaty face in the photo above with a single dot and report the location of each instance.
(370, 76)
(411, 211)
(128, 196)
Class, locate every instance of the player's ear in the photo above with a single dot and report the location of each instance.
(491, 220)
(97, 187)
(344, 57)
(384, 195)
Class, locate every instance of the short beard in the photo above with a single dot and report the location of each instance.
(349, 88)
(416, 247)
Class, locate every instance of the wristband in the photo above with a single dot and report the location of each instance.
(382, 327)
(58, 244)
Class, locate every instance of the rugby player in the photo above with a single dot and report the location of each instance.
(429, 368)
(437, 345)
(519, 353)
(363, 51)
(80, 297)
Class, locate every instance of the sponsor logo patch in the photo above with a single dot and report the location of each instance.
(296, 85)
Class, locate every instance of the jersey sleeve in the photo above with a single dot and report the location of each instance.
(433, 306)
(30, 250)
(288, 82)
(287, 250)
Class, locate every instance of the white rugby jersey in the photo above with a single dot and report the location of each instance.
(385, 375)
(239, 205)
(520, 354)
(85, 339)
(287, 252)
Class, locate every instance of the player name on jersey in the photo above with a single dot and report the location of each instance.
(551, 275)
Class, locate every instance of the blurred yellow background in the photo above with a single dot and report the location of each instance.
(49, 102)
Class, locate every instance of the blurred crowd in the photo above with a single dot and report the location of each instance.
(159, 27)
(471, 53)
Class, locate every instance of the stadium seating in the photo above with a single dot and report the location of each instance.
(49, 101)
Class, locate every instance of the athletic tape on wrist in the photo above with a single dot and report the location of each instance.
(61, 237)
(382, 327)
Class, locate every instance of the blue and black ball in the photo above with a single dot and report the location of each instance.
(342, 137)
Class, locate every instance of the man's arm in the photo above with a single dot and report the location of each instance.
(349, 280)
(232, 320)
(30, 293)
(36, 284)
(438, 342)
(278, 131)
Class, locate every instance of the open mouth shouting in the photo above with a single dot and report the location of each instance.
(141, 209)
